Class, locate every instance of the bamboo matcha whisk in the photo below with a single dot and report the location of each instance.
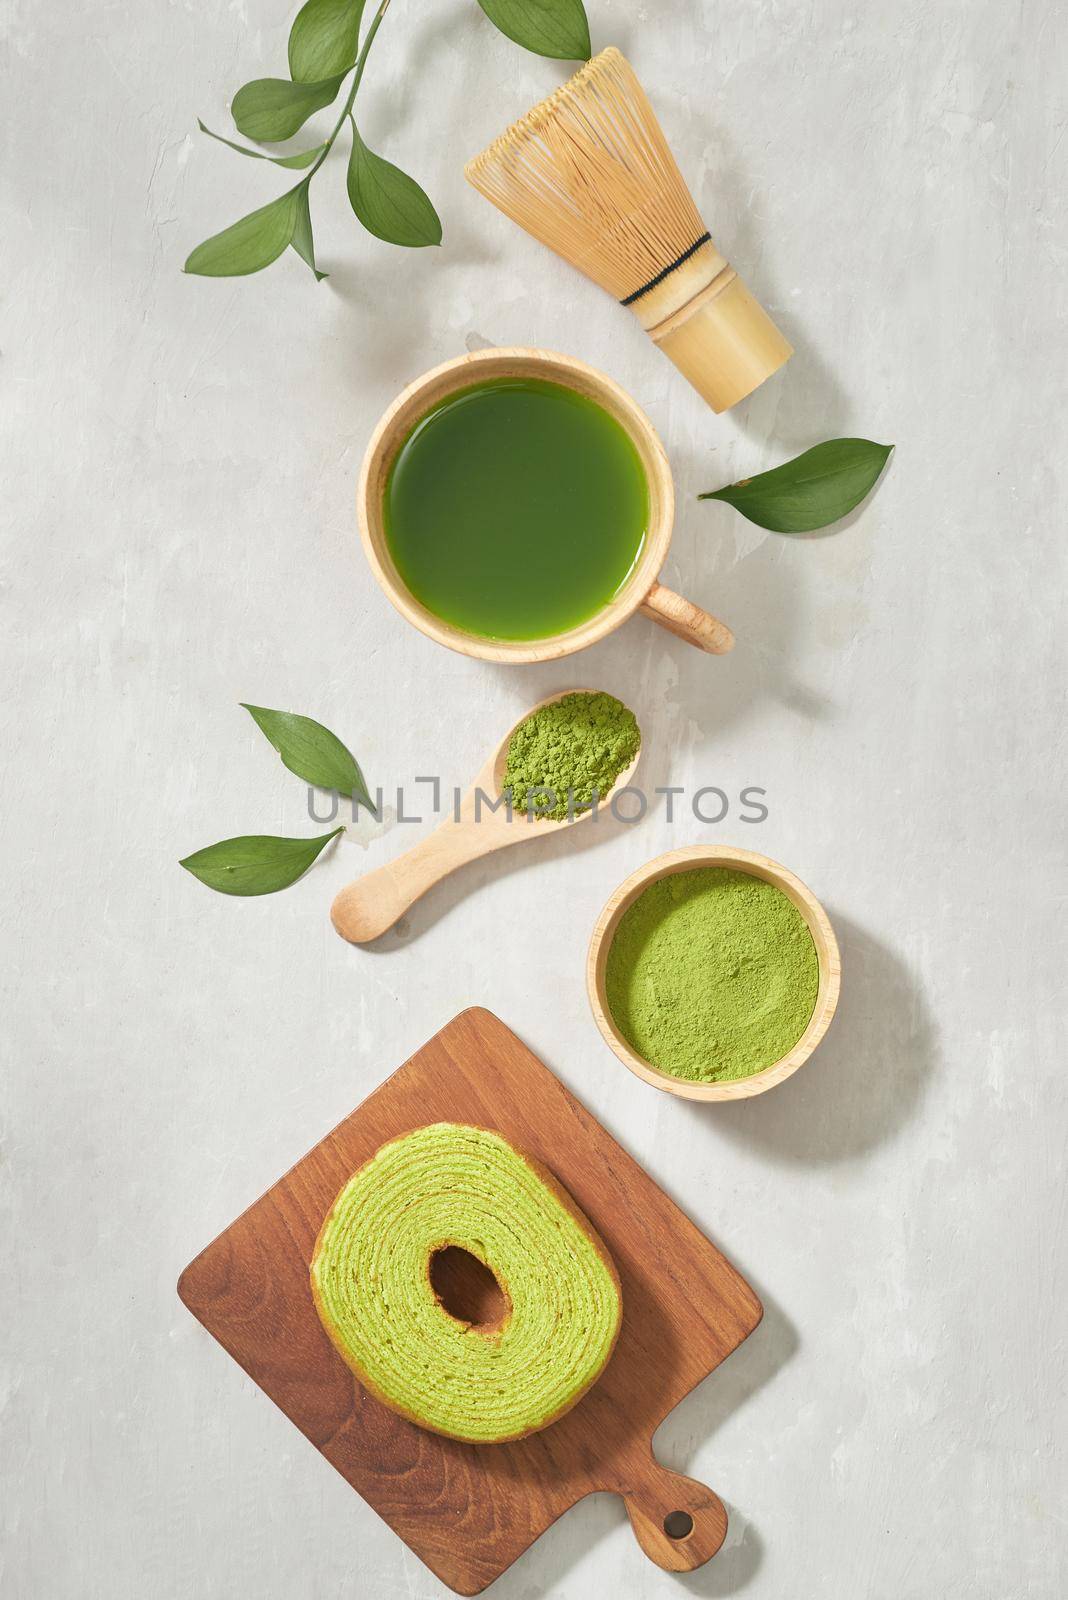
(590, 174)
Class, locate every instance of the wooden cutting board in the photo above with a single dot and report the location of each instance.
(469, 1510)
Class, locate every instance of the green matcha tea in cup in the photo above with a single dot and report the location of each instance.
(517, 506)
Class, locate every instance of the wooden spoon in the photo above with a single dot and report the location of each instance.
(373, 903)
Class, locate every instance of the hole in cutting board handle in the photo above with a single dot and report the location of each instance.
(678, 1524)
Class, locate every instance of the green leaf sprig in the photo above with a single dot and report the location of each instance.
(815, 489)
(256, 863)
(261, 863)
(312, 752)
(324, 48)
(555, 28)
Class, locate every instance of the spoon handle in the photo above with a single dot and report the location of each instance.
(680, 616)
(370, 905)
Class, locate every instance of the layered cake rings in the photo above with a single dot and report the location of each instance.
(464, 1287)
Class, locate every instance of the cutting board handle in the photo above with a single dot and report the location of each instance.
(679, 1523)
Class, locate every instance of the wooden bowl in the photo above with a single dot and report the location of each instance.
(712, 855)
(641, 592)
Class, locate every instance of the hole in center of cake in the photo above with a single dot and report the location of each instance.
(466, 1288)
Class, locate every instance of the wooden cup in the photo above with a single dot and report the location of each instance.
(713, 855)
(641, 592)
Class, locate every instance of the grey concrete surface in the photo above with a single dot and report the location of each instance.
(179, 461)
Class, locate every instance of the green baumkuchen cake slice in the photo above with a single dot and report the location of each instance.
(449, 1188)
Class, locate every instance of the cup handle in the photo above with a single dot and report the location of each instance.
(680, 616)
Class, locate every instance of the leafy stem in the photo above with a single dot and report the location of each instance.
(361, 62)
(325, 47)
(262, 863)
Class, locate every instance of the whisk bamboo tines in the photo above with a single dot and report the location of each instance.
(590, 174)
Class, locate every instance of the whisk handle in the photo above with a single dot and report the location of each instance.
(680, 616)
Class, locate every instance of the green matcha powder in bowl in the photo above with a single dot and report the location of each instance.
(713, 973)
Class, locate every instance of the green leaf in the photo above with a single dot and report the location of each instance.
(249, 245)
(298, 162)
(813, 490)
(324, 39)
(271, 109)
(302, 241)
(390, 205)
(555, 28)
(311, 751)
(256, 863)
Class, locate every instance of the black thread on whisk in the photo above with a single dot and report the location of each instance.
(667, 271)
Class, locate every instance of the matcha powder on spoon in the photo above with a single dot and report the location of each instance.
(575, 747)
(712, 974)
